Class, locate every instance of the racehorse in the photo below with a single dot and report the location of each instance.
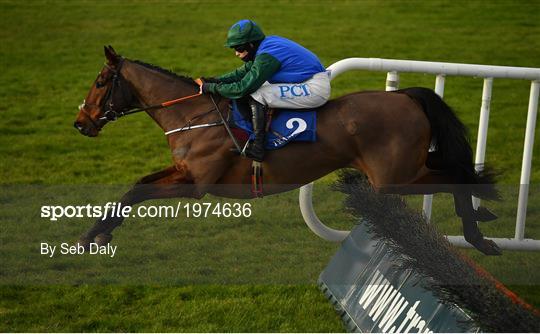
(385, 135)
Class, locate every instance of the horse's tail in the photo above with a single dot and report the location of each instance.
(453, 148)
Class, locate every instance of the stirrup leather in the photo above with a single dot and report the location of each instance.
(257, 179)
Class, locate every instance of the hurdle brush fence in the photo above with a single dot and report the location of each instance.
(441, 70)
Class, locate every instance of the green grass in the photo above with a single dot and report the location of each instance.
(51, 52)
(207, 308)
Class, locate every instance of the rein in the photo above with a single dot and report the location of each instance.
(113, 115)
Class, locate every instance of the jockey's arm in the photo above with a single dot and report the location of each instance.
(237, 74)
(262, 69)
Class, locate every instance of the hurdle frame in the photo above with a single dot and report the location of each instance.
(441, 70)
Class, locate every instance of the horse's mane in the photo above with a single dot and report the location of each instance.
(165, 71)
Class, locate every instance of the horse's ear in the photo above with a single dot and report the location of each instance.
(110, 54)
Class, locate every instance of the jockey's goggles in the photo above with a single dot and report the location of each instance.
(241, 48)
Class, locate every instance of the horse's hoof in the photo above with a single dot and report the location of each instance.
(488, 247)
(103, 239)
(484, 215)
(85, 242)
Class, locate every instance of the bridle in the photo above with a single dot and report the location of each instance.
(110, 114)
(107, 107)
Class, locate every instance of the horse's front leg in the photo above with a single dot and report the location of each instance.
(167, 183)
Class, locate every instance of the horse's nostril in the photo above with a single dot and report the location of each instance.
(77, 126)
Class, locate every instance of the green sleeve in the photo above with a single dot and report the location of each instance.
(237, 74)
(263, 68)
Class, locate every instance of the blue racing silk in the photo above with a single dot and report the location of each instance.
(298, 64)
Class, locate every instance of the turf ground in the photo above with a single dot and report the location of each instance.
(51, 52)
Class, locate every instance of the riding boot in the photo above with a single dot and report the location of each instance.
(255, 148)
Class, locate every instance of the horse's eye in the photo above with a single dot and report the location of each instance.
(100, 84)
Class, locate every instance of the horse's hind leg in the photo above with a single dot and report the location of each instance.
(471, 232)
(430, 181)
(433, 181)
(167, 183)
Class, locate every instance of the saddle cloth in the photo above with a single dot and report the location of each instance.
(287, 125)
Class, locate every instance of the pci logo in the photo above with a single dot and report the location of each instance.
(292, 91)
(385, 305)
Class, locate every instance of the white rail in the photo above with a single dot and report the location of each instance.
(441, 70)
(454, 69)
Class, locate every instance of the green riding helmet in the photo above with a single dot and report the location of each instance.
(242, 32)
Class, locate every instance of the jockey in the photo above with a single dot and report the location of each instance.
(278, 73)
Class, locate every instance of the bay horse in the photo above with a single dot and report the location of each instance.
(385, 135)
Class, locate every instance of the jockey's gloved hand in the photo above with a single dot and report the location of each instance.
(202, 82)
(210, 80)
(204, 88)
